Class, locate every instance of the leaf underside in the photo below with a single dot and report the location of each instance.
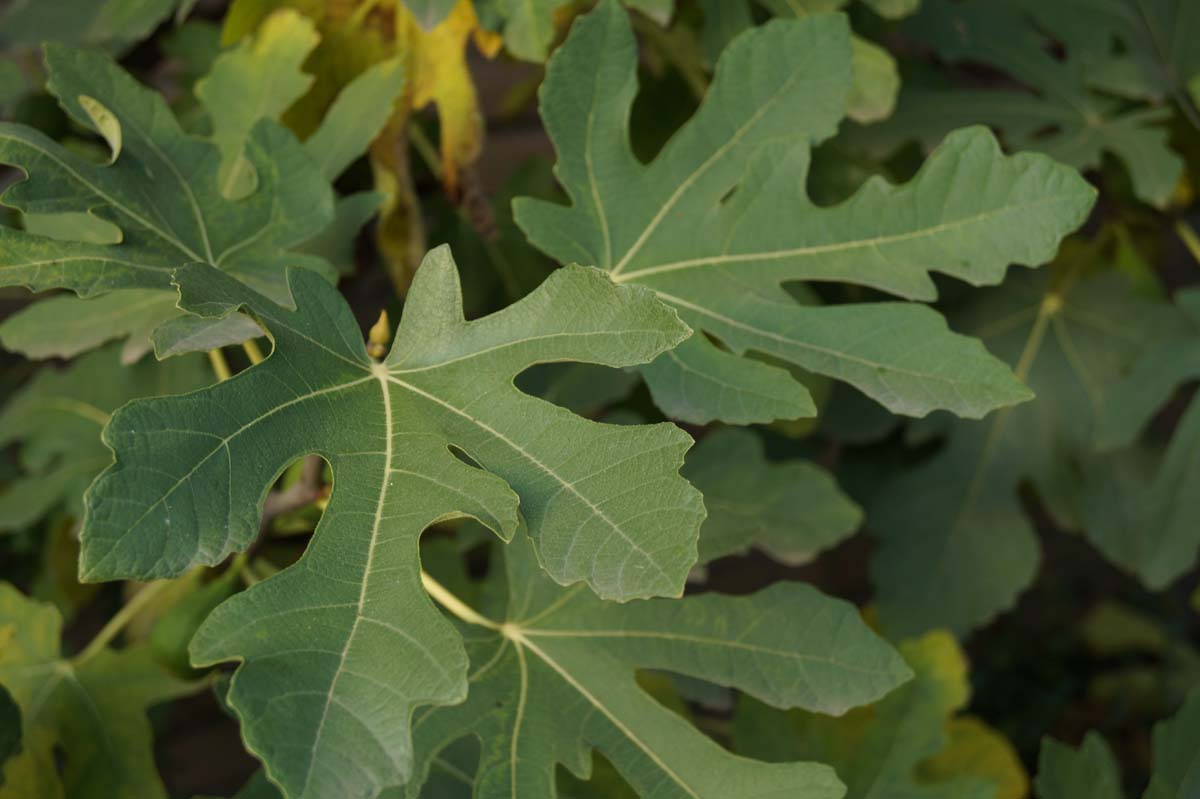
(719, 222)
(319, 641)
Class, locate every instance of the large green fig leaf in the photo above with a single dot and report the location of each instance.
(956, 546)
(1143, 505)
(553, 678)
(1091, 771)
(884, 750)
(57, 420)
(321, 640)
(90, 709)
(1069, 110)
(719, 222)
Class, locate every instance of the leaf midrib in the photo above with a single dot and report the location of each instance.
(837, 247)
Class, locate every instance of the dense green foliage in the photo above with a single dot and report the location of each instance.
(819, 426)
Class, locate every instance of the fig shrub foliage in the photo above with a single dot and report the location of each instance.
(554, 527)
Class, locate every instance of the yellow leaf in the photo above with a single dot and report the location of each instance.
(355, 35)
(977, 750)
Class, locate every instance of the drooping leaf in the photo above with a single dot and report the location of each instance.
(1061, 114)
(553, 678)
(259, 79)
(357, 115)
(1142, 504)
(879, 751)
(357, 37)
(91, 708)
(793, 510)
(57, 420)
(1091, 772)
(65, 326)
(722, 262)
(604, 502)
(956, 546)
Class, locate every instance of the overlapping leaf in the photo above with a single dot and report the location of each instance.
(321, 640)
(553, 678)
(57, 420)
(1142, 505)
(1091, 771)
(529, 27)
(876, 81)
(1071, 111)
(719, 221)
(90, 709)
(429, 40)
(885, 750)
(161, 191)
(791, 509)
(164, 200)
(956, 546)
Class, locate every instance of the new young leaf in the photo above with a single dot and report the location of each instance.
(323, 638)
(719, 221)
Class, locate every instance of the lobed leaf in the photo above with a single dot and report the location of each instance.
(555, 679)
(92, 708)
(322, 639)
(719, 222)
(956, 546)
(1067, 109)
